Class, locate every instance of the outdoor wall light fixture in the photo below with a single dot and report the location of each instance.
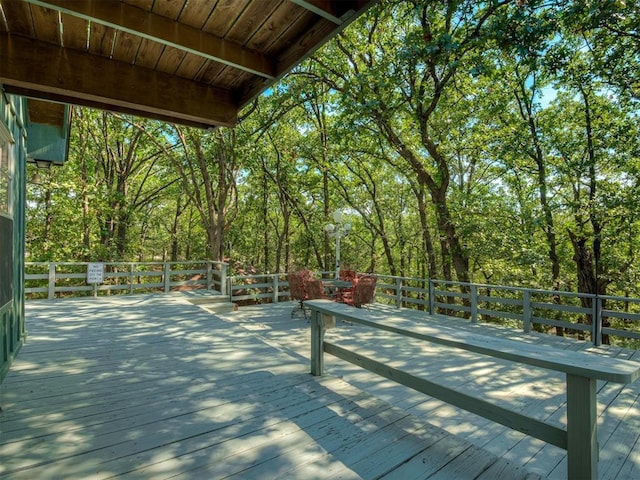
(40, 163)
(337, 231)
(44, 164)
(36, 179)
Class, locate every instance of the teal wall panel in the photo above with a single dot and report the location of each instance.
(12, 319)
(47, 142)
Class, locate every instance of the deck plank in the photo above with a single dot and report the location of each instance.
(151, 387)
(535, 391)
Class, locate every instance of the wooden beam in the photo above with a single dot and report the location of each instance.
(323, 8)
(309, 42)
(336, 11)
(56, 73)
(123, 17)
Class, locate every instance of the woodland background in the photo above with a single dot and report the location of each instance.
(495, 142)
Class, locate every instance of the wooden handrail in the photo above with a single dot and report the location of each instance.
(127, 277)
(582, 370)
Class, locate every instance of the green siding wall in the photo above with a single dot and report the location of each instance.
(12, 320)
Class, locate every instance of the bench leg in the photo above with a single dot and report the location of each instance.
(582, 437)
(317, 340)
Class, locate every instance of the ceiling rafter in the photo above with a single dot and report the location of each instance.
(133, 20)
(124, 56)
(336, 12)
(320, 8)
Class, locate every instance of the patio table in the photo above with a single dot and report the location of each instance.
(332, 285)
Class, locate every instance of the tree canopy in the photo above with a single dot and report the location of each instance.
(494, 141)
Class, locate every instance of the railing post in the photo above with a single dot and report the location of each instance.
(276, 287)
(223, 279)
(432, 299)
(52, 282)
(131, 278)
(526, 311)
(317, 340)
(474, 303)
(597, 321)
(209, 275)
(582, 438)
(167, 277)
(398, 292)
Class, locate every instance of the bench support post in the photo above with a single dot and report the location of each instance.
(582, 438)
(317, 339)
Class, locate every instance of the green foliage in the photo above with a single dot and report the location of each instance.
(479, 140)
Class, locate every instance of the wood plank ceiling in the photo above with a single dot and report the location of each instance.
(194, 62)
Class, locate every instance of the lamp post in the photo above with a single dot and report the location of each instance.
(337, 231)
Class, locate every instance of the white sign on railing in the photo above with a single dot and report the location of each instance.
(95, 273)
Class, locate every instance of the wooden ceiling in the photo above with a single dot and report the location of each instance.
(194, 62)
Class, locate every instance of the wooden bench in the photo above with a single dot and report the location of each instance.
(582, 371)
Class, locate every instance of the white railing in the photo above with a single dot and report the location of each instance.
(528, 308)
(399, 291)
(55, 279)
(523, 308)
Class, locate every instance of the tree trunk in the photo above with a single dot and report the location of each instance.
(430, 257)
(525, 102)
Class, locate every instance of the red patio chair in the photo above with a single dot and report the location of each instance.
(296, 289)
(364, 291)
(299, 284)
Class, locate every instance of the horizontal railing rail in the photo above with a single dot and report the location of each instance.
(591, 316)
(582, 371)
(55, 279)
(524, 308)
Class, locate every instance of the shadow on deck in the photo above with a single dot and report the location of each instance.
(157, 387)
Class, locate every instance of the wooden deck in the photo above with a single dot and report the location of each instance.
(537, 392)
(150, 387)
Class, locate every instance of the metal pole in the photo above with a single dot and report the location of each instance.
(338, 235)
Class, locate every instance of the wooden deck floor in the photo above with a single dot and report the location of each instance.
(537, 392)
(151, 387)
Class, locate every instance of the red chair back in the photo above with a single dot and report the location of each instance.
(347, 275)
(296, 285)
(315, 289)
(365, 290)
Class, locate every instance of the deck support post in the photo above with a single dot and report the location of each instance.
(596, 321)
(474, 303)
(317, 340)
(167, 277)
(209, 275)
(398, 292)
(223, 278)
(51, 293)
(276, 288)
(582, 438)
(432, 298)
(526, 311)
